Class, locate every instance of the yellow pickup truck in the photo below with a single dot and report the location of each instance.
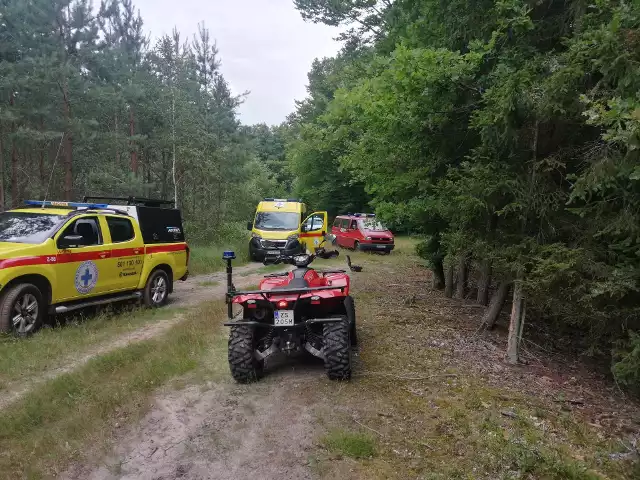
(61, 256)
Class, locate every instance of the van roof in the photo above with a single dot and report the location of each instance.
(280, 206)
(357, 215)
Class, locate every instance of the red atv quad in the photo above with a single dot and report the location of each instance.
(293, 313)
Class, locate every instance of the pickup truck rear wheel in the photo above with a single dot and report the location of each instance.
(22, 310)
(156, 291)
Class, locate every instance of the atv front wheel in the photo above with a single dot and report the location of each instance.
(245, 368)
(337, 350)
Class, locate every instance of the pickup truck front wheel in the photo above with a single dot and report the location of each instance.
(156, 291)
(22, 310)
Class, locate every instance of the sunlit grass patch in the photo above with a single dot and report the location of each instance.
(349, 444)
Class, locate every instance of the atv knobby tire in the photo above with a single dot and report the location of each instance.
(245, 368)
(350, 308)
(337, 350)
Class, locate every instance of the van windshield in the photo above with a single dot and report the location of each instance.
(277, 221)
(373, 225)
(23, 227)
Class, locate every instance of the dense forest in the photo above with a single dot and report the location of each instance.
(88, 105)
(506, 133)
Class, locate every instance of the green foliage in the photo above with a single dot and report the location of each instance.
(627, 367)
(90, 107)
(505, 130)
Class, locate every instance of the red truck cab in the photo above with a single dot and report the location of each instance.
(362, 231)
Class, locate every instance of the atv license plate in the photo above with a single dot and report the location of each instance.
(273, 252)
(283, 318)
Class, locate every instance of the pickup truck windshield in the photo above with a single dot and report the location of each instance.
(373, 225)
(23, 227)
(277, 221)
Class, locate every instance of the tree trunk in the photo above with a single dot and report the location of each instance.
(484, 283)
(164, 188)
(68, 145)
(516, 323)
(22, 180)
(1, 172)
(448, 282)
(14, 161)
(43, 179)
(134, 155)
(438, 274)
(463, 270)
(495, 307)
(173, 141)
(115, 121)
(14, 174)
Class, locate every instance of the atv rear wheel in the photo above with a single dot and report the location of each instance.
(350, 307)
(245, 368)
(337, 350)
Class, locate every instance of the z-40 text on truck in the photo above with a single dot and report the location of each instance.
(61, 256)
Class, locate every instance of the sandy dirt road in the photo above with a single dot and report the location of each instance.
(189, 293)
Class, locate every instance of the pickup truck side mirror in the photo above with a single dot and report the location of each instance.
(69, 241)
(249, 226)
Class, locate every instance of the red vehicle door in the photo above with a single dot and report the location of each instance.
(344, 232)
(335, 228)
(353, 233)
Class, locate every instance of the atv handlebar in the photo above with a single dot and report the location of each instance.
(301, 259)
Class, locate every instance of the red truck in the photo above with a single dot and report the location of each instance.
(362, 231)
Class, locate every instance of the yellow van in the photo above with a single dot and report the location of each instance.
(280, 227)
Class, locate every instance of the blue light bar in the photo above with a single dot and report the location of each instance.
(39, 203)
(228, 255)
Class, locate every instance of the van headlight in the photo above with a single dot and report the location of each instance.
(367, 238)
(255, 235)
(293, 237)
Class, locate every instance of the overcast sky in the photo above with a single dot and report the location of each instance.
(264, 45)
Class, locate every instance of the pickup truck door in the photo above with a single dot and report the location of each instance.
(82, 260)
(127, 252)
(313, 230)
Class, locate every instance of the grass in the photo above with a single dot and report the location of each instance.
(349, 444)
(21, 358)
(207, 259)
(435, 427)
(208, 283)
(72, 417)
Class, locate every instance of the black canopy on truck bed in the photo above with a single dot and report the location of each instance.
(159, 220)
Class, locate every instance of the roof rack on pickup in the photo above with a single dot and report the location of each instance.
(56, 204)
(137, 201)
(76, 207)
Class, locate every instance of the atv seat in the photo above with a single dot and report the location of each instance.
(297, 281)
